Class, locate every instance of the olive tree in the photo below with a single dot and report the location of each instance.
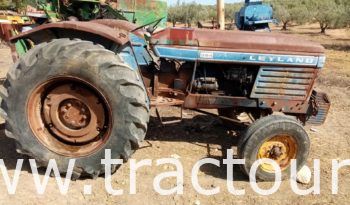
(287, 12)
(230, 11)
(193, 12)
(327, 13)
(175, 14)
(16, 4)
(345, 4)
(4, 4)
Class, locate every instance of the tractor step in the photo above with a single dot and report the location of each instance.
(165, 102)
(162, 102)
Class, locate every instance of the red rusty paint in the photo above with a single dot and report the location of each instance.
(285, 106)
(204, 101)
(129, 4)
(104, 31)
(120, 25)
(175, 36)
(116, 24)
(6, 30)
(153, 5)
(239, 41)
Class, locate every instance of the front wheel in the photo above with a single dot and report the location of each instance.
(274, 137)
(73, 99)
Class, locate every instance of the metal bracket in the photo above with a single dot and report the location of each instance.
(170, 121)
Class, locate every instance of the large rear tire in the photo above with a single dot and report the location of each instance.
(72, 99)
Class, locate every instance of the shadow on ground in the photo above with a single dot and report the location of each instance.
(8, 151)
(10, 156)
(205, 131)
(337, 47)
(202, 130)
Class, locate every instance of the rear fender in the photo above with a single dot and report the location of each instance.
(90, 31)
(112, 34)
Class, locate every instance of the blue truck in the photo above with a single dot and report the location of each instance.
(254, 16)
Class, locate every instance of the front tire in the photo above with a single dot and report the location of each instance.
(275, 137)
(73, 99)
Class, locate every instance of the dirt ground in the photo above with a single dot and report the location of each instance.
(200, 136)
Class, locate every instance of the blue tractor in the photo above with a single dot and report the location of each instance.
(254, 16)
(84, 91)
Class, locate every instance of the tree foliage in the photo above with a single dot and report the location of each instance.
(230, 10)
(14, 4)
(174, 14)
(192, 13)
(290, 11)
(327, 13)
(6, 4)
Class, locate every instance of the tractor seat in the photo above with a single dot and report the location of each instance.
(236, 41)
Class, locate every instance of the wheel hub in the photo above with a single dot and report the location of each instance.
(276, 152)
(74, 114)
(282, 149)
(69, 116)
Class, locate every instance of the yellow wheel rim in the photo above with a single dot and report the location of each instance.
(282, 149)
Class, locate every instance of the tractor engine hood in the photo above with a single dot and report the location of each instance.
(236, 41)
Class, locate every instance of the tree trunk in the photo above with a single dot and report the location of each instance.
(285, 24)
(189, 24)
(323, 27)
(174, 23)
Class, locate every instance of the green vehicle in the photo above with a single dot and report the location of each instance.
(138, 12)
(135, 11)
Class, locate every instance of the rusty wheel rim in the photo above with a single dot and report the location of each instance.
(69, 116)
(281, 148)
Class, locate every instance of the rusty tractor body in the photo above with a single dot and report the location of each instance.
(261, 74)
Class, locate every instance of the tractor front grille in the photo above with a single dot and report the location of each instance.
(283, 83)
(319, 108)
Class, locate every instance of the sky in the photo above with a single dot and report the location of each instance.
(208, 2)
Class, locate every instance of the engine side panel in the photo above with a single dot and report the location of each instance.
(194, 54)
(284, 83)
